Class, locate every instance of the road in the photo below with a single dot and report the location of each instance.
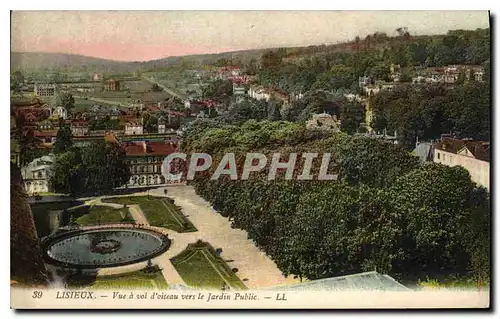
(166, 89)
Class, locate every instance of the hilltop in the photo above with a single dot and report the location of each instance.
(37, 61)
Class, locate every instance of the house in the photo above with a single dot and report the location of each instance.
(46, 137)
(238, 89)
(145, 159)
(324, 121)
(353, 97)
(36, 174)
(386, 86)
(296, 96)
(371, 90)
(111, 85)
(162, 126)
(97, 77)
(134, 128)
(259, 93)
(45, 90)
(45, 125)
(364, 81)
(79, 128)
(60, 112)
(472, 155)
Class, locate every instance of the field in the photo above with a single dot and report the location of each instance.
(96, 215)
(180, 82)
(158, 211)
(134, 91)
(199, 267)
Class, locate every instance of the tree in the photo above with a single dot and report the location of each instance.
(65, 100)
(67, 175)
(271, 58)
(156, 88)
(218, 89)
(371, 162)
(63, 140)
(352, 115)
(273, 110)
(16, 81)
(437, 204)
(106, 166)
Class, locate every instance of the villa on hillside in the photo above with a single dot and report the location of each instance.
(472, 155)
(324, 121)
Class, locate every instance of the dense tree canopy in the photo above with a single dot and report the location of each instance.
(385, 212)
(97, 166)
(63, 140)
(105, 166)
(427, 112)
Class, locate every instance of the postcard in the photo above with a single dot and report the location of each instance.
(250, 159)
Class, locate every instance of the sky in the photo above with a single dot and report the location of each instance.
(148, 35)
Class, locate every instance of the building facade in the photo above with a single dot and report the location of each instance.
(60, 112)
(45, 90)
(474, 156)
(146, 158)
(79, 128)
(36, 175)
(134, 129)
(112, 85)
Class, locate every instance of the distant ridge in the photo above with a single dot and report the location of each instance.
(37, 61)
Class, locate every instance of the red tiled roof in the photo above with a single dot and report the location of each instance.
(480, 149)
(45, 133)
(153, 148)
(175, 113)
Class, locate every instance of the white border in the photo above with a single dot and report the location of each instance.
(211, 5)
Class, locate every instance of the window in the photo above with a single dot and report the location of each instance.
(444, 157)
(439, 155)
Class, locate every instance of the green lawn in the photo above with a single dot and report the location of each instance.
(199, 267)
(96, 215)
(136, 279)
(158, 211)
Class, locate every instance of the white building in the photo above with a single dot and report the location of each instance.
(45, 90)
(238, 90)
(134, 129)
(474, 156)
(36, 175)
(353, 97)
(60, 112)
(258, 93)
(371, 90)
(162, 126)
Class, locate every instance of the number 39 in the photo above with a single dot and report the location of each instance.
(37, 294)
